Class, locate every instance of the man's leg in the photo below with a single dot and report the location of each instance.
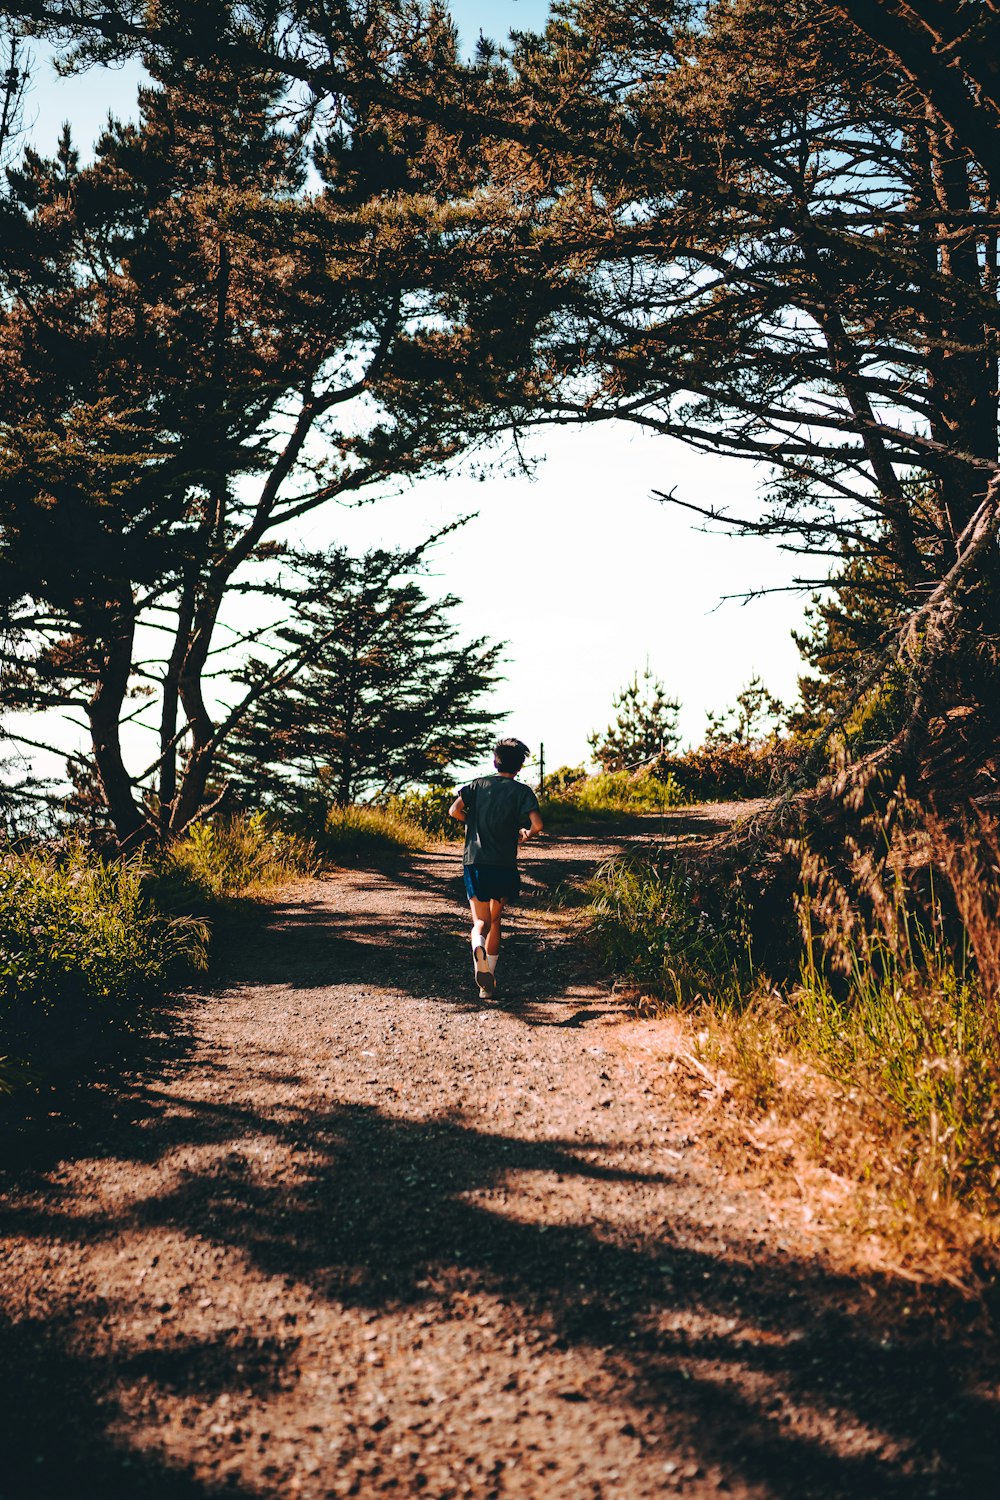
(482, 927)
(480, 922)
(494, 933)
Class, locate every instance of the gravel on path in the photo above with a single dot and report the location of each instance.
(356, 1232)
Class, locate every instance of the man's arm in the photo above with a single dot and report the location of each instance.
(535, 819)
(457, 810)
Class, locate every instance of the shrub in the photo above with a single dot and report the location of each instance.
(625, 791)
(428, 810)
(238, 857)
(611, 793)
(922, 1044)
(894, 999)
(733, 770)
(561, 781)
(642, 919)
(357, 832)
(900, 979)
(81, 951)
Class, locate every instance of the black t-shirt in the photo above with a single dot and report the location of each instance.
(496, 809)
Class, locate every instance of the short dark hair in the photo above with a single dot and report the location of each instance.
(509, 755)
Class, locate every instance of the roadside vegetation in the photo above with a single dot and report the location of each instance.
(356, 833)
(215, 327)
(428, 810)
(852, 1001)
(85, 957)
(572, 796)
(91, 946)
(235, 857)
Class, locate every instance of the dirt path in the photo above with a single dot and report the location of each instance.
(355, 1232)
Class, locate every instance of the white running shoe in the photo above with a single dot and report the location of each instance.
(483, 977)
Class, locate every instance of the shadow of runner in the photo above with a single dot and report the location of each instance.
(774, 1371)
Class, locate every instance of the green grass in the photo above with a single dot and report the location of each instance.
(89, 948)
(429, 811)
(358, 833)
(610, 794)
(641, 920)
(83, 953)
(911, 1026)
(899, 1024)
(243, 856)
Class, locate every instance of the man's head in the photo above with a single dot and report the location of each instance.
(509, 755)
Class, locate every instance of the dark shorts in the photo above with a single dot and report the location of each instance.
(492, 882)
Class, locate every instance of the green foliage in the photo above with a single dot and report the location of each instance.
(233, 272)
(562, 779)
(894, 998)
(866, 603)
(645, 725)
(722, 771)
(744, 753)
(611, 793)
(82, 951)
(920, 1036)
(756, 717)
(429, 811)
(242, 856)
(881, 714)
(359, 833)
(386, 696)
(621, 791)
(643, 921)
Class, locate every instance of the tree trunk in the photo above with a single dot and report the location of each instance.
(168, 714)
(104, 714)
(188, 801)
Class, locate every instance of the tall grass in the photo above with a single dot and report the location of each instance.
(82, 952)
(898, 992)
(429, 811)
(643, 921)
(922, 1047)
(894, 1001)
(242, 856)
(611, 793)
(358, 833)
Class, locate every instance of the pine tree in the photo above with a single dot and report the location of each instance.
(388, 696)
(200, 344)
(645, 725)
(843, 628)
(756, 714)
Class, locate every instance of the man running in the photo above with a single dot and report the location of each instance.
(499, 813)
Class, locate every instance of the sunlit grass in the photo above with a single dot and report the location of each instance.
(83, 951)
(612, 793)
(242, 856)
(358, 832)
(899, 1023)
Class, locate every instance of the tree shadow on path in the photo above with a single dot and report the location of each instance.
(769, 1370)
(411, 936)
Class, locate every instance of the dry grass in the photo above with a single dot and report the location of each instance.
(878, 1064)
(818, 1149)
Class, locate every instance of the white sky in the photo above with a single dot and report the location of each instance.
(580, 571)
